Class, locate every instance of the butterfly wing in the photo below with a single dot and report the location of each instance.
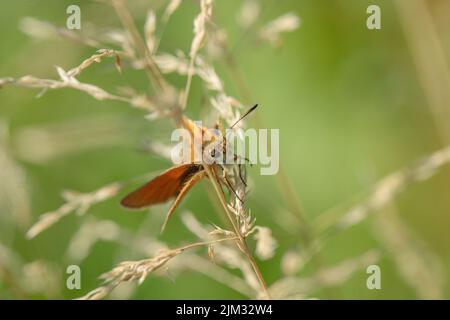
(162, 188)
(184, 190)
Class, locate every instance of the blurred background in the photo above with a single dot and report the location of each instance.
(353, 105)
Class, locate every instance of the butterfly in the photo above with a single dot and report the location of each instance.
(175, 182)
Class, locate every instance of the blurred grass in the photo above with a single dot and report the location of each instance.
(347, 101)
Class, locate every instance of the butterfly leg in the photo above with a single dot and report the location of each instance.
(228, 184)
(236, 158)
(240, 175)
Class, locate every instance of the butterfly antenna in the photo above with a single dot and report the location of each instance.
(245, 114)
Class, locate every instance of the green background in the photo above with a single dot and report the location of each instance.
(348, 102)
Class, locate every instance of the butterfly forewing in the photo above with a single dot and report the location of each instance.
(161, 188)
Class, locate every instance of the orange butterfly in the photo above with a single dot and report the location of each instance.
(176, 181)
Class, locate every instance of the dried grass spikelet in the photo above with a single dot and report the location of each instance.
(68, 80)
(227, 108)
(199, 230)
(161, 105)
(170, 9)
(75, 202)
(89, 233)
(120, 38)
(9, 259)
(389, 187)
(200, 26)
(129, 271)
(158, 148)
(93, 230)
(44, 143)
(211, 253)
(224, 254)
(291, 262)
(272, 31)
(139, 270)
(169, 63)
(152, 39)
(196, 262)
(197, 42)
(291, 286)
(216, 272)
(179, 64)
(102, 53)
(249, 13)
(417, 264)
(220, 231)
(244, 219)
(238, 192)
(265, 243)
(42, 30)
(215, 47)
(149, 30)
(14, 191)
(164, 103)
(233, 259)
(209, 76)
(37, 29)
(42, 276)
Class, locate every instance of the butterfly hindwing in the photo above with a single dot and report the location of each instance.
(161, 188)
